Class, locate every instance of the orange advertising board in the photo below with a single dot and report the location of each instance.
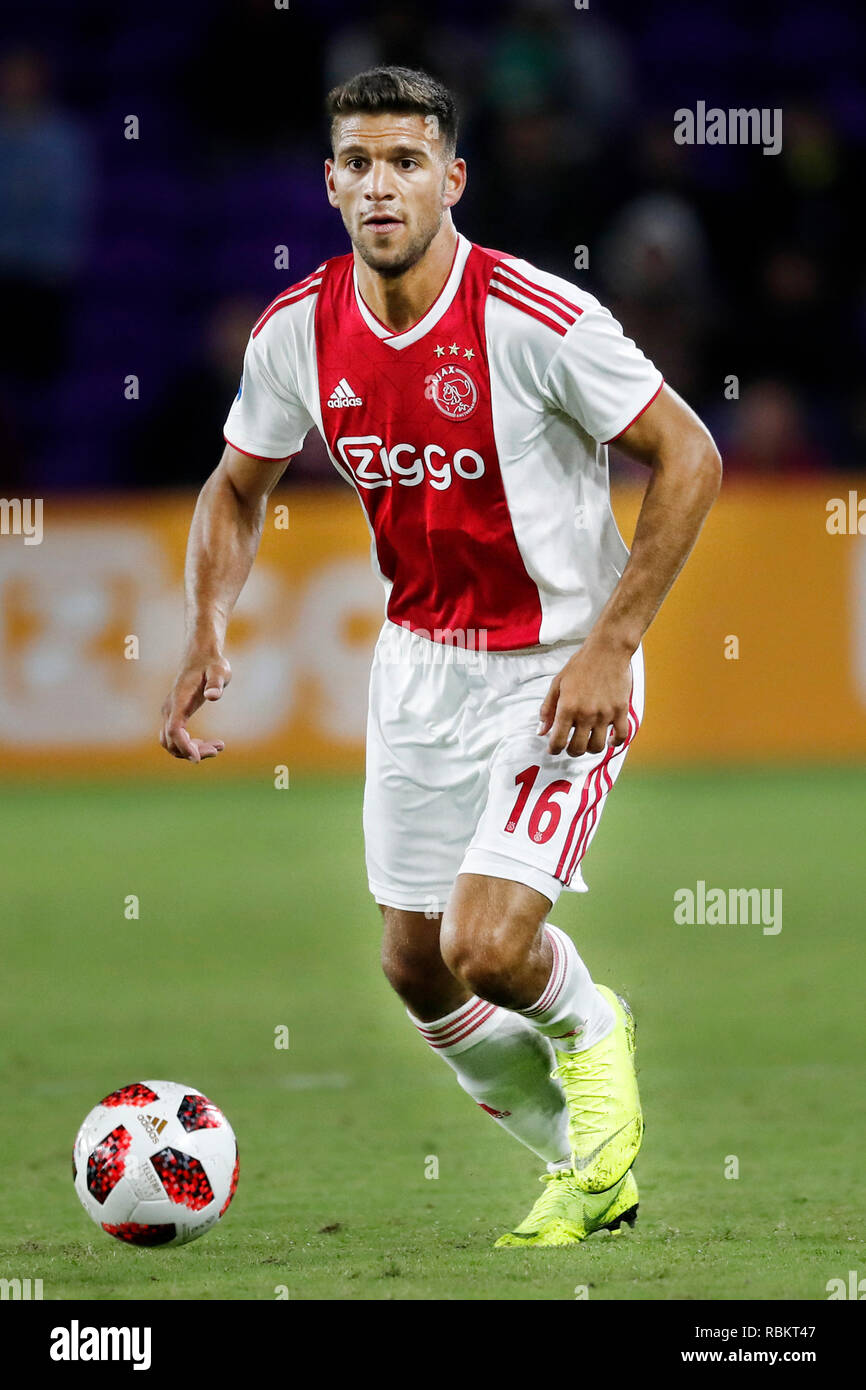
(759, 652)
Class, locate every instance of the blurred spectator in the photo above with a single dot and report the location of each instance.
(546, 56)
(180, 442)
(655, 277)
(796, 320)
(658, 162)
(811, 151)
(856, 420)
(769, 435)
(394, 33)
(45, 178)
(526, 67)
(528, 191)
(255, 85)
(717, 260)
(408, 34)
(14, 472)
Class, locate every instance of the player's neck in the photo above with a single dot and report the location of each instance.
(400, 302)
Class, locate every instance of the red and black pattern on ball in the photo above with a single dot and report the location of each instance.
(135, 1094)
(234, 1187)
(197, 1112)
(183, 1178)
(135, 1233)
(105, 1163)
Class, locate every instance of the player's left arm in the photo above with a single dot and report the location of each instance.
(593, 689)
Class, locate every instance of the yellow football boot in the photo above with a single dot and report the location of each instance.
(565, 1215)
(605, 1124)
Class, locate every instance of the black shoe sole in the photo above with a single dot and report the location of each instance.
(629, 1217)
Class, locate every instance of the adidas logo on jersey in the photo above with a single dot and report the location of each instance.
(343, 395)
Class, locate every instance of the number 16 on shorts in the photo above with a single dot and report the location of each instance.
(548, 812)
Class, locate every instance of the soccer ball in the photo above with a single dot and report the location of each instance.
(155, 1163)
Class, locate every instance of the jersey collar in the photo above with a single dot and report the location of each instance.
(440, 305)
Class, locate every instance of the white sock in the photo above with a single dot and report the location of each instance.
(504, 1064)
(570, 1011)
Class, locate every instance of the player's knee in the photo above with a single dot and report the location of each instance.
(402, 969)
(417, 979)
(484, 956)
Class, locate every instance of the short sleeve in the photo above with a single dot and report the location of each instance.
(600, 377)
(267, 419)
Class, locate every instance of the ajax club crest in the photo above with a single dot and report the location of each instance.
(452, 391)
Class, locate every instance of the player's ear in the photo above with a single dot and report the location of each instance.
(329, 183)
(455, 183)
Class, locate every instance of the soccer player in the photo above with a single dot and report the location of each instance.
(469, 397)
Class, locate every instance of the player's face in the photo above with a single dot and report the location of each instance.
(392, 183)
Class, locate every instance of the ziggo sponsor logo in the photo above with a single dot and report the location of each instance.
(373, 464)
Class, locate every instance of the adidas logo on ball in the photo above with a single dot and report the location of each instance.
(152, 1124)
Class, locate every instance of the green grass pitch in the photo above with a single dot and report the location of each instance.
(254, 914)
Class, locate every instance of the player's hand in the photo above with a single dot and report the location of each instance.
(200, 678)
(590, 694)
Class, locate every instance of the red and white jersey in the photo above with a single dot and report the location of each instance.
(475, 439)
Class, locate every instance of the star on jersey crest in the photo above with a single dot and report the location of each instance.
(453, 349)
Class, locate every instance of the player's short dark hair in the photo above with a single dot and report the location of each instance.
(407, 91)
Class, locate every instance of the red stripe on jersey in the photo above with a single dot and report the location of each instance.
(522, 294)
(283, 294)
(533, 313)
(533, 284)
(292, 289)
(292, 296)
(571, 312)
(267, 458)
(637, 417)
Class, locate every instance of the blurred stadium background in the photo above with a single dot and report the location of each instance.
(150, 258)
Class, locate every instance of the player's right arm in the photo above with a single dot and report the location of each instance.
(223, 541)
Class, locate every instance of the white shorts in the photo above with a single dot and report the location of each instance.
(458, 780)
